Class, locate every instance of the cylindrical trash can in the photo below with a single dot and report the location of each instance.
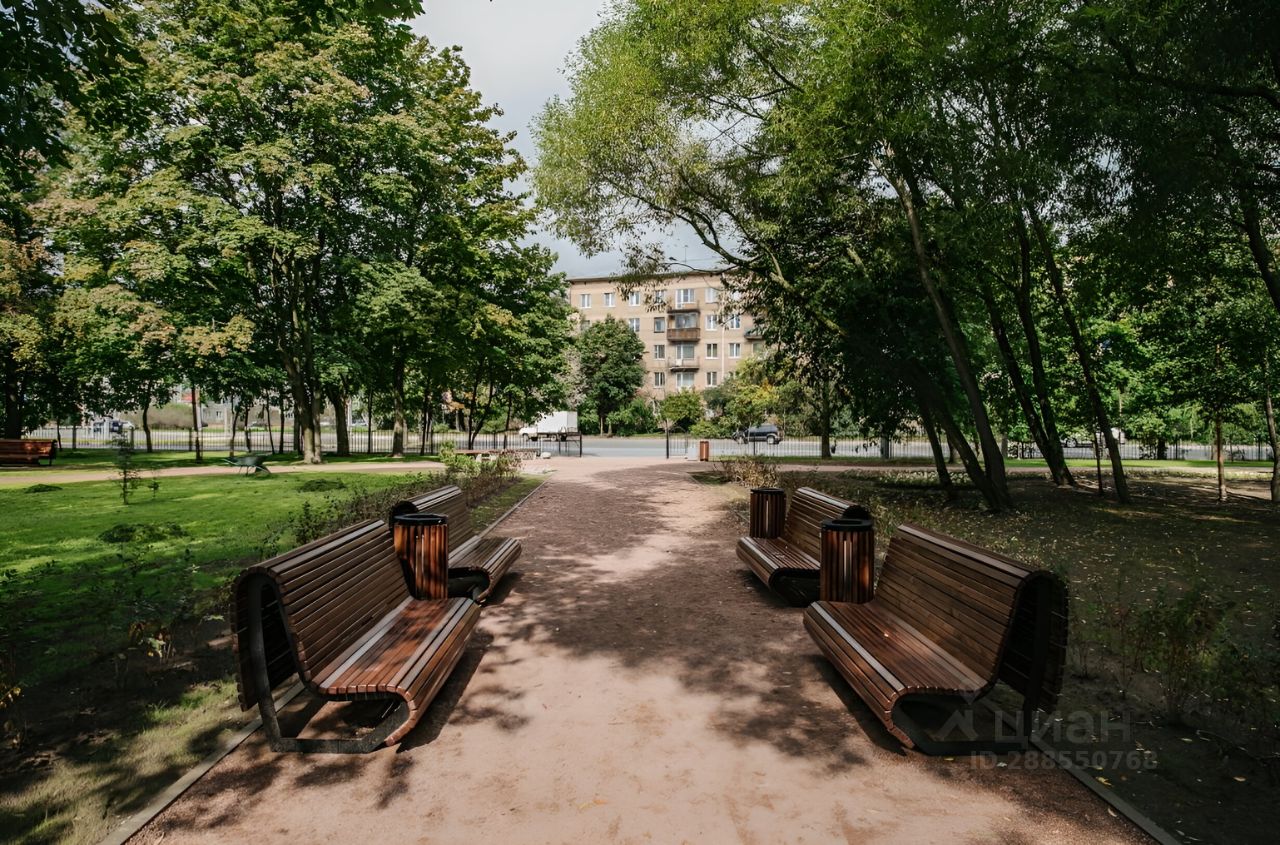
(704, 450)
(848, 560)
(768, 509)
(422, 541)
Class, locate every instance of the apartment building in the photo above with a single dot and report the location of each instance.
(693, 334)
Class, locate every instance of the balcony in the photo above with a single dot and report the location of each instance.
(682, 307)
(678, 364)
(754, 333)
(683, 335)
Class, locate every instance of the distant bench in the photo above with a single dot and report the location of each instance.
(476, 564)
(338, 613)
(788, 563)
(250, 463)
(947, 621)
(28, 451)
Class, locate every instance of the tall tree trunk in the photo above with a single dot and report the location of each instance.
(231, 441)
(939, 459)
(1035, 356)
(398, 426)
(197, 434)
(282, 449)
(368, 414)
(337, 396)
(12, 401)
(930, 397)
(1217, 450)
(426, 419)
(266, 411)
(1020, 390)
(1259, 248)
(993, 460)
(248, 436)
(1273, 433)
(146, 421)
(1083, 355)
(824, 418)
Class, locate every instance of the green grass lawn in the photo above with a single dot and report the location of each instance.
(105, 725)
(221, 517)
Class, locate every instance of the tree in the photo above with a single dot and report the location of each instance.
(610, 367)
(683, 408)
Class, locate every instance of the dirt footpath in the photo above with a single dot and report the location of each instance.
(633, 683)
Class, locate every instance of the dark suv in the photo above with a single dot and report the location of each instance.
(768, 432)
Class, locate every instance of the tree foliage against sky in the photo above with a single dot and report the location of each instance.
(918, 194)
(306, 200)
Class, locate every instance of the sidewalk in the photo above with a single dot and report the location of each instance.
(52, 475)
(631, 682)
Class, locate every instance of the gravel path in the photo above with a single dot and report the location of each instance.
(633, 683)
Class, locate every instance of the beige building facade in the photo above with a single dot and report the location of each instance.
(693, 334)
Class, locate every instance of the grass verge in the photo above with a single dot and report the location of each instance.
(101, 720)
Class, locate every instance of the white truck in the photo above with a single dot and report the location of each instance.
(553, 426)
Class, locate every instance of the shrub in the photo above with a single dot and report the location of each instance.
(42, 488)
(128, 532)
(750, 470)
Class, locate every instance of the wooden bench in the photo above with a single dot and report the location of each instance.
(947, 621)
(28, 451)
(249, 463)
(789, 563)
(337, 612)
(476, 563)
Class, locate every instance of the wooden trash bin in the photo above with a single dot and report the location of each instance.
(422, 542)
(848, 564)
(768, 509)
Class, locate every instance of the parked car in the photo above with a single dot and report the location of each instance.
(768, 433)
(107, 425)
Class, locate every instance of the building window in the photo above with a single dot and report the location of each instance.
(735, 350)
(713, 295)
(659, 379)
(610, 300)
(712, 322)
(734, 322)
(685, 321)
(684, 380)
(685, 352)
(659, 351)
(713, 378)
(757, 347)
(633, 298)
(583, 324)
(634, 323)
(659, 297)
(686, 296)
(584, 300)
(659, 324)
(713, 350)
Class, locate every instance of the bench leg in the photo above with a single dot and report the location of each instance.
(267, 705)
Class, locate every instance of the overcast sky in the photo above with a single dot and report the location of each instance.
(517, 50)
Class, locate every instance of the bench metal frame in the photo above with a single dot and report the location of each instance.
(267, 706)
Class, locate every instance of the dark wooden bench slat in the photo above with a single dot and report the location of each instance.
(948, 618)
(350, 630)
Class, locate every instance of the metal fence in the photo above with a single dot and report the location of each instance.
(674, 445)
(260, 440)
(682, 445)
